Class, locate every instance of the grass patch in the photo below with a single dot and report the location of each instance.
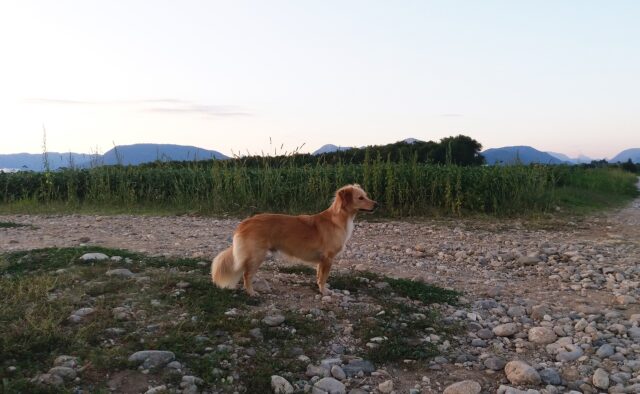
(299, 269)
(207, 328)
(12, 225)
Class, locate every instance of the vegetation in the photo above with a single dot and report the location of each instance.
(404, 188)
(199, 323)
(408, 179)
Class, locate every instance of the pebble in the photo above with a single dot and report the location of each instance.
(328, 386)
(280, 385)
(463, 387)
(521, 373)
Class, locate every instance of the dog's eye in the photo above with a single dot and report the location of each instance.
(361, 198)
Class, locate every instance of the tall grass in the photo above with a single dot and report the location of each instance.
(405, 188)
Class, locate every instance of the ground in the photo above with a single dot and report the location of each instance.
(551, 273)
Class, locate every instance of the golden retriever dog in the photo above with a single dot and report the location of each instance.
(315, 239)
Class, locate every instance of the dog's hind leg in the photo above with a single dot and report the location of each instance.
(249, 257)
(322, 274)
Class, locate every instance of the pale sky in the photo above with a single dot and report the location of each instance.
(560, 76)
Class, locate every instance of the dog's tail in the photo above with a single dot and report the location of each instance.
(224, 273)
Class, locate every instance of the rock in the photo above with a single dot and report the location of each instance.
(605, 351)
(157, 389)
(519, 372)
(328, 386)
(356, 366)
(542, 335)
(386, 387)
(273, 320)
(463, 387)
(65, 373)
(485, 333)
(183, 285)
(256, 333)
(280, 385)
(47, 379)
(572, 352)
(94, 257)
(516, 311)
(528, 260)
(511, 390)
(152, 358)
(65, 361)
(550, 376)
(505, 330)
(77, 316)
(600, 379)
(634, 332)
(625, 300)
(337, 372)
(121, 273)
(495, 363)
(313, 370)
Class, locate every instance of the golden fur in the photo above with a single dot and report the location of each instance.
(315, 239)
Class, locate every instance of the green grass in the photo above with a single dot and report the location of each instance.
(36, 304)
(11, 225)
(404, 189)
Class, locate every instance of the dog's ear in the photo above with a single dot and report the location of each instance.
(346, 197)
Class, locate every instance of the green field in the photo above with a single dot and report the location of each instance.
(404, 189)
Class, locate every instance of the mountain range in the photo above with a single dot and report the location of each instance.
(122, 154)
(144, 153)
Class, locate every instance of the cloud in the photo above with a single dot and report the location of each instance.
(159, 105)
(452, 115)
(208, 110)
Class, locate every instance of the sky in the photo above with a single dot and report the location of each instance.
(270, 76)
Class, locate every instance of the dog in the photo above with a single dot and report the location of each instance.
(315, 239)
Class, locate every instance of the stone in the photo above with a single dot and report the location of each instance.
(280, 385)
(65, 361)
(65, 373)
(550, 376)
(485, 333)
(121, 273)
(542, 335)
(94, 257)
(273, 320)
(152, 358)
(337, 372)
(47, 379)
(521, 373)
(313, 370)
(328, 386)
(356, 366)
(516, 311)
(463, 387)
(386, 387)
(605, 351)
(600, 379)
(495, 363)
(157, 389)
(528, 260)
(572, 352)
(505, 330)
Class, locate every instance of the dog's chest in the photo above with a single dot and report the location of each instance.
(348, 232)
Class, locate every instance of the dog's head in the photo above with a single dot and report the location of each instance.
(352, 199)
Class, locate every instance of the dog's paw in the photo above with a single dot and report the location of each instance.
(326, 292)
(253, 293)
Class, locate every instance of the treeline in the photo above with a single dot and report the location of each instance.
(459, 150)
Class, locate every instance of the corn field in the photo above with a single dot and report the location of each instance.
(229, 187)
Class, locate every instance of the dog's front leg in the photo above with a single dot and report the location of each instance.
(322, 274)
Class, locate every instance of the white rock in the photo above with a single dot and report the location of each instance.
(505, 330)
(280, 385)
(463, 387)
(542, 335)
(93, 257)
(386, 387)
(601, 379)
(328, 386)
(519, 372)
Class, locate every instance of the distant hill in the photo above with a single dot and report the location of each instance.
(625, 155)
(577, 160)
(330, 148)
(519, 154)
(34, 161)
(145, 153)
(123, 154)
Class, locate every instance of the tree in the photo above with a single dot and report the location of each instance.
(630, 166)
